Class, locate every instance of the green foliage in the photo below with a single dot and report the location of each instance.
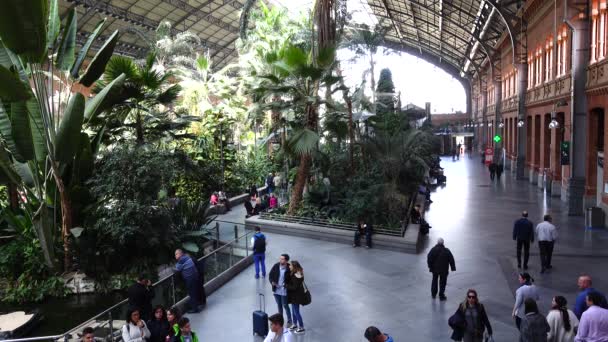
(22, 265)
(134, 226)
(3, 197)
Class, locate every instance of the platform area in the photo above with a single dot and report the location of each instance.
(353, 288)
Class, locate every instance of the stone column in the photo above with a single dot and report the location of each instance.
(484, 111)
(578, 111)
(522, 75)
(498, 155)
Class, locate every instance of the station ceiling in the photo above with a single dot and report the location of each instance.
(456, 35)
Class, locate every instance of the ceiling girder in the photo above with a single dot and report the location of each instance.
(489, 51)
(129, 17)
(202, 15)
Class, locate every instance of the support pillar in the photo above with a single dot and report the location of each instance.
(522, 75)
(578, 111)
(484, 128)
(498, 155)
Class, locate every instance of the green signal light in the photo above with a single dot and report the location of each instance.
(497, 138)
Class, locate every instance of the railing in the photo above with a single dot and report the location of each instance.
(396, 231)
(168, 292)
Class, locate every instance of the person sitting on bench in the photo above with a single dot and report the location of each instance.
(224, 200)
(363, 229)
(248, 207)
(416, 218)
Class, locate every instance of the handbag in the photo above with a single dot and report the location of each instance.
(307, 297)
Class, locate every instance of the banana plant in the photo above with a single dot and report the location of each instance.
(43, 145)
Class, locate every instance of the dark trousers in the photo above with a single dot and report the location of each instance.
(518, 322)
(526, 246)
(492, 175)
(193, 287)
(443, 280)
(546, 251)
(368, 239)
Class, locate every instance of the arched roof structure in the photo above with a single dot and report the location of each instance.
(458, 36)
(216, 22)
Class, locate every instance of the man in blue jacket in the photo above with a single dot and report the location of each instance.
(586, 287)
(185, 265)
(523, 233)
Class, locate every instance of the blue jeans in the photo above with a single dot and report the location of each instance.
(297, 318)
(282, 303)
(259, 260)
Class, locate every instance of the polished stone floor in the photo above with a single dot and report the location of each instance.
(355, 288)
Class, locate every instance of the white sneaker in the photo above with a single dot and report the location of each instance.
(300, 330)
(291, 326)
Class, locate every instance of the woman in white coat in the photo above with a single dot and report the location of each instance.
(135, 330)
(562, 321)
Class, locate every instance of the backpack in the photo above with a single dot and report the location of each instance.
(259, 244)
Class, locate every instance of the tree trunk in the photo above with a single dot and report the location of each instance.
(298, 188)
(13, 197)
(351, 134)
(139, 129)
(66, 218)
(371, 62)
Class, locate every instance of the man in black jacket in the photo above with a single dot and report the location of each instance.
(523, 233)
(440, 260)
(279, 276)
(140, 296)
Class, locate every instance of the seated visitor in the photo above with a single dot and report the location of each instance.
(273, 202)
(415, 215)
(259, 206)
(248, 207)
(88, 335)
(224, 200)
(363, 229)
(265, 202)
(214, 199)
(253, 191)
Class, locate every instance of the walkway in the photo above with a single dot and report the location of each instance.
(354, 288)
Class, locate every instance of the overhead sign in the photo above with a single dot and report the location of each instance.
(497, 138)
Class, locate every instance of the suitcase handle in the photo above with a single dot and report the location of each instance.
(264, 301)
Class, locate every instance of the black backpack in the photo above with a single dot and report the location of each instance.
(259, 244)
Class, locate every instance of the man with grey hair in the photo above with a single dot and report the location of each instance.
(440, 260)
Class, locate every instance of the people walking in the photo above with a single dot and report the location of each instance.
(546, 235)
(297, 295)
(593, 326)
(185, 332)
(562, 321)
(259, 243)
(186, 266)
(473, 320)
(585, 284)
(492, 169)
(523, 233)
(534, 326)
(158, 325)
(527, 290)
(278, 331)
(140, 296)
(373, 334)
(279, 276)
(499, 170)
(135, 329)
(440, 260)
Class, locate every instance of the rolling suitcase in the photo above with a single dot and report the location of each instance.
(260, 319)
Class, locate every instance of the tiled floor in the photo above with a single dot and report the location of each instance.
(355, 288)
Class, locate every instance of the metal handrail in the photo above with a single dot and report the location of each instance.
(326, 223)
(124, 301)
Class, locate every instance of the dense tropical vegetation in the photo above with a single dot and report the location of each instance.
(129, 170)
